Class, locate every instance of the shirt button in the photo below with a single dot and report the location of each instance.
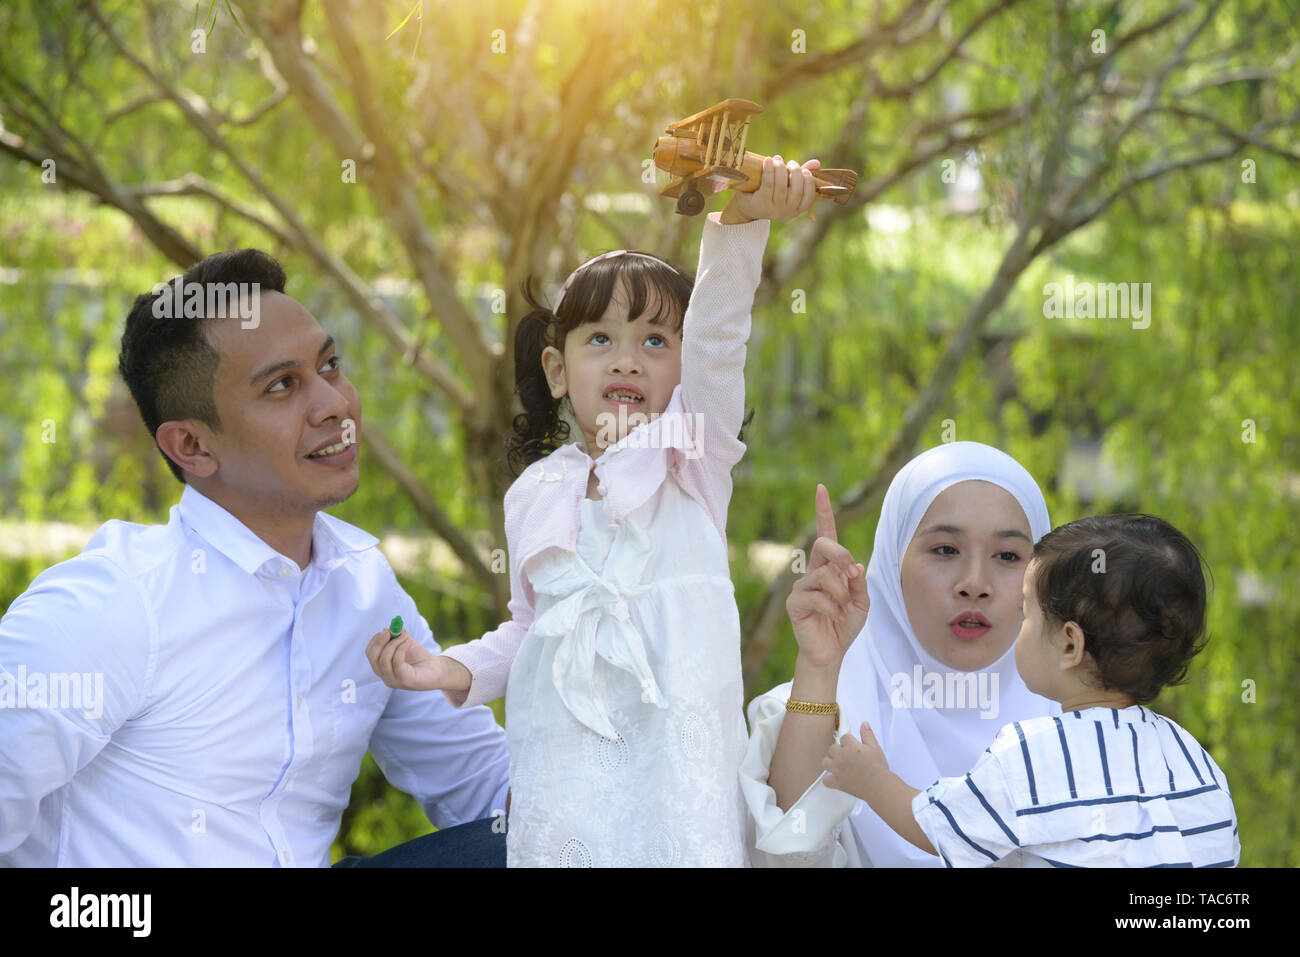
(286, 857)
(284, 571)
(601, 488)
(300, 702)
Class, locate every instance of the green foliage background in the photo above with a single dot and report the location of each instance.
(1167, 406)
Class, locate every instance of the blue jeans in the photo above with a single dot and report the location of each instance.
(466, 845)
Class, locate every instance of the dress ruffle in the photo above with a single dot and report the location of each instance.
(590, 618)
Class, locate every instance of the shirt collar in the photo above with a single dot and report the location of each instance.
(332, 539)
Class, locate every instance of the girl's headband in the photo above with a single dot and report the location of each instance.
(609, 255)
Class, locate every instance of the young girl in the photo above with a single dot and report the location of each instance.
(622, 661)
(1114, 610)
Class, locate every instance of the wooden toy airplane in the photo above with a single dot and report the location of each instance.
(706, 153)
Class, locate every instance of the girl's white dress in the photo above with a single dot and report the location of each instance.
(624, 705)
(663, 791)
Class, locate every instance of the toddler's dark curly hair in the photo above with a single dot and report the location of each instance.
(1134, 585)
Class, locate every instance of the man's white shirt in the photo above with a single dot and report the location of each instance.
(235, 701)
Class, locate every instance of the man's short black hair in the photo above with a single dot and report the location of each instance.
(167, 362)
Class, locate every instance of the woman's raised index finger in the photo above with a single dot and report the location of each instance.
(825, 516)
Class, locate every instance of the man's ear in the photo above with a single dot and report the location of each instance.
(553, 365)
(185, 442)
(1073, 650)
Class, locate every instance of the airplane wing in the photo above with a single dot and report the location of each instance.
(737, 107)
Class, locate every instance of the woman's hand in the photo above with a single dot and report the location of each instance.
(404, 663)
(828, 605)
(827, 608)
(786, 190)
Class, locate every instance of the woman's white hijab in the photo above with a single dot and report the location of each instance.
(923, 744)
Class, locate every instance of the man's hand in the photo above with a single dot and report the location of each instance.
(828, 605)
(786, 191)
(855, 766)
(404, 663)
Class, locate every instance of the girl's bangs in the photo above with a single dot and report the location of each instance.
(651, 284)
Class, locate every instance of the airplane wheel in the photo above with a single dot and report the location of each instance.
(690, 203)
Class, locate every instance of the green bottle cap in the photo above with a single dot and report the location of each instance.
(395, 626)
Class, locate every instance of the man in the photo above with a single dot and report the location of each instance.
(198, 693)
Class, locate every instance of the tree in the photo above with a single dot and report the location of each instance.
(480, 137)
(517, 145)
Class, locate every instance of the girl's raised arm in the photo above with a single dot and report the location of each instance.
(717, 325)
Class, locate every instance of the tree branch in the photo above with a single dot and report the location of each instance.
(1146, 101)
(192, 184)
(135, 105)
(885, 91)
(877, 36)
(371, 307)
(390, 187)
(92, 180)
(782, 268)
(433, 515)
(1085, 214)
(764, 620)
(1252, 136)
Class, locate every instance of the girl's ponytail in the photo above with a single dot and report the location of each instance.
(539, 429)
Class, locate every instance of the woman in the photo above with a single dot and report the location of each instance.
(933, 671)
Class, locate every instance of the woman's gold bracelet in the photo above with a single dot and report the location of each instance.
(811, 707)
